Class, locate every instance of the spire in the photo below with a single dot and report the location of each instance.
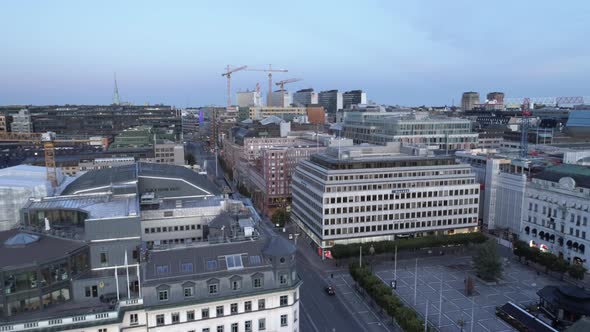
(116, 99)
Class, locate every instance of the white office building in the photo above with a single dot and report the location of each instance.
(556, 212)
(370, 193)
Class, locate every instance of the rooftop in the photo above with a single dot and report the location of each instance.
(44, 249)
(580, 174)
(97, 206)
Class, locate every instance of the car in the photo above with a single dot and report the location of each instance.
(330, 290)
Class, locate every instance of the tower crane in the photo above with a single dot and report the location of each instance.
(282, 85)
(270, 70)
(228, 72)
(48, 141)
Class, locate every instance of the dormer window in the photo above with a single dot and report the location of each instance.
(234, 262)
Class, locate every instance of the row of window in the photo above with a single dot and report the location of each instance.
(399, 185)
(397, 175)
(402, 206)
(397, 196)
(397, 226)
(181, 228)
(399, 216)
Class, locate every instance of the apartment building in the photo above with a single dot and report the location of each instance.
(370, 193)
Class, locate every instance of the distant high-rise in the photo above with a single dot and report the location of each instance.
(469, 100)
(281, 98)
(249, 99)
(305, 97)
(331, 100)
(353, 97)
(497, 96)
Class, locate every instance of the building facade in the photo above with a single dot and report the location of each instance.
(332, 101)
(556, 212)
(469, 101)
(354, 97)
(370, 193)
(443, 133)
(21, 122)
(305, 97)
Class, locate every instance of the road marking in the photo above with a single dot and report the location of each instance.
(308, 317)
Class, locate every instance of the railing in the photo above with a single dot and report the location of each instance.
(63, 321)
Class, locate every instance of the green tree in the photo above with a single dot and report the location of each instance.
(576, 271)
(487, 263)
(190, 159)
(280, 217)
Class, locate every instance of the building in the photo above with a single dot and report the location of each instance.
(316, 114)
(469, 101)
(168, 152)
(305, 97)
(100, 163)
(240, 278)
(21, 122)
(165, 151)
(270, 178)
(5, 122)
(282, 98)
(439, 132)
(285, 113)
(564, 304)
(332, 101)
(371, 193)
(578, 124)
(249, 98)
(497, 97)
(354, 97)
(17, 185)
(556, 212)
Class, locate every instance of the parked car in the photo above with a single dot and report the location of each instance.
(330, 290)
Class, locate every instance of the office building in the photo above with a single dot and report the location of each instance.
(556, 212)
(285, 113)
(21, 122)
(282, 98)
(316, 114)
(371, 193)
(165, 151)
(469, 101)
(438, 132)
(249, 99)
(354, 97)
(332, 101)
(305, 97)
(497, 97)
(5, 122)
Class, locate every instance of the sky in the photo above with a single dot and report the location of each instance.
(419, 52)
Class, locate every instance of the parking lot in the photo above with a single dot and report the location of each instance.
(519, 285)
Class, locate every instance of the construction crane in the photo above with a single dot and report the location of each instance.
(524, 127)
(270, 70)
(282, 85)
(48, 141)
(228, 72)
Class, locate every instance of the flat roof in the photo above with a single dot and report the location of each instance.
(97, 206)
(46, 249)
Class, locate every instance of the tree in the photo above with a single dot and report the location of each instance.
(576, 271)
(190, 159)
(487, 262)
(280, 217)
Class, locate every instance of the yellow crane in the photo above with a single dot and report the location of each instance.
(48, 140)
(282, 85)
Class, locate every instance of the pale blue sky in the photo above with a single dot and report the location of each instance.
(400, 52)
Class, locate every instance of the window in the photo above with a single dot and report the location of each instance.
(234, 262)
(284, 320)
(234, 327)
(211, 264)
(190, 315)
(103, 258)
(257, 282)
(234, 308)
(160, 320)
(262, 324)
(186, 267)
(295, 316)
(163, 295)
(133, 319)
(162, 269)
(248, 326)
(175, 317)
(219, 310)
(205, 313)
(248, 306)
(213, 289)
(255, 260)
(188, 292)
(236, 284)
(206, 329)
(283, 279)
(102, 330)
(220, 328)
(261, 304)
(284, 300)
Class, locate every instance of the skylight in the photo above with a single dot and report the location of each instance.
(234, 262)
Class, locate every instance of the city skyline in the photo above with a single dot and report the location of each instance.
(400, 53)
